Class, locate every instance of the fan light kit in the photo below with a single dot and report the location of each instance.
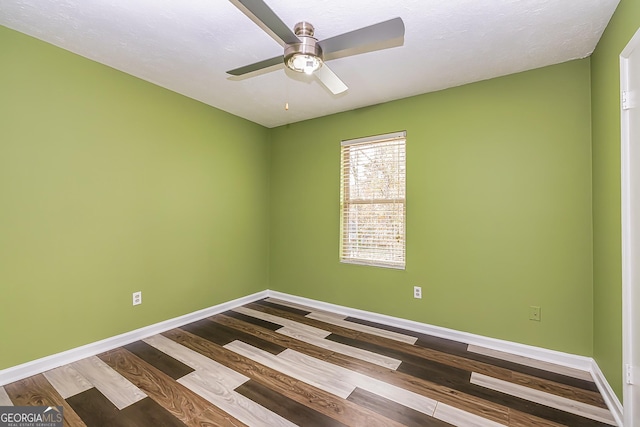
(304, 63)
(304, 53)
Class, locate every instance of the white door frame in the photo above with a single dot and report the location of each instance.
(628, 332)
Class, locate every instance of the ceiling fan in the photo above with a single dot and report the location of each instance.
(305, 54)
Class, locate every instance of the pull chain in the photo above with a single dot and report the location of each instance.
(286, 90)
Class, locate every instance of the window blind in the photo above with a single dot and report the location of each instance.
(373, 205)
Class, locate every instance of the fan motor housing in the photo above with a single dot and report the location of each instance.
(308, 44)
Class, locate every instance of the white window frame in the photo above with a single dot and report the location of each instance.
(358, 244)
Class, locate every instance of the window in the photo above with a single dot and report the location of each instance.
(372, 200)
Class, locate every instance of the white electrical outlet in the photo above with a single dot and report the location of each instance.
(137, 298)
(417, 292)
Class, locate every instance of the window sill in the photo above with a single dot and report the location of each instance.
(373, 264)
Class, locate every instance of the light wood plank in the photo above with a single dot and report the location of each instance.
(182, 403)
(303, 329)
(233, 403)
(339, 321)
(388, 391)
(111, 384)
(539, 364)
(5, 400)
(308, 374)
(205, 367)
(547, 399)
(67, 381)
(461, 418)
(358, 353)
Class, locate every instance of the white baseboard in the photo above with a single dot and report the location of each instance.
(609, 396)
(582, 363)
(38, 366)
(588, 364)
(564, 359)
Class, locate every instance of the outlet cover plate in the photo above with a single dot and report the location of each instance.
(137, 298)
(534, 313)
(417, 292)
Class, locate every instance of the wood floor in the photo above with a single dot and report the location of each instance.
(274, 363)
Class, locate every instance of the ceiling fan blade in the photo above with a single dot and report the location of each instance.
(278, 60)
(374, 37)
(329, 79)
(265, 18)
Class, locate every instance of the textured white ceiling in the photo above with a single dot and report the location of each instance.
(188, 45)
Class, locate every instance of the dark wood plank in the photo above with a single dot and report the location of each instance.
(147, 412)
(183, 403)
(221, 335)
(258, 322)
(326, 403)
(519, 419)
(283, 307)
(287, 408)
(95, 409)
(162, 361)
(390, 409)
(37, 391)
(215, 334)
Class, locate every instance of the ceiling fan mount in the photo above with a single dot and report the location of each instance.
(306, 54)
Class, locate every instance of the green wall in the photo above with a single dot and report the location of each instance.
(498, 209)
(607, 256)
(110, 185)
